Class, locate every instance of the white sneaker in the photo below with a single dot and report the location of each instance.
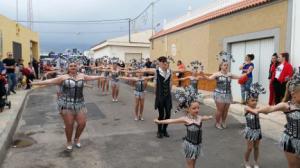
(142, 119)
(136, 119)
(78, 145)
(69, 148)
(256, 166)
(247, 165)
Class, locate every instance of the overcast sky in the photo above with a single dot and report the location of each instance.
(58, 37)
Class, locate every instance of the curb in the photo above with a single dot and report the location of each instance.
(10, 128)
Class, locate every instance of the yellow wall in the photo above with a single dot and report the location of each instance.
(12, 32)
(204, 41)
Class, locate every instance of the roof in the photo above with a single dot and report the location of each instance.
(245, 4)
(140, 39)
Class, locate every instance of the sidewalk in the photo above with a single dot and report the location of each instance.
(9, 120)
(272, 124)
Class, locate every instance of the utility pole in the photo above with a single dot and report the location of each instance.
(129, 30)
(17, 11)
(29, 14)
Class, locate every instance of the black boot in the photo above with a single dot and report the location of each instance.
(159, 131)
(165, 132)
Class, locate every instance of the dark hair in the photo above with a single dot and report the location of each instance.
(179, 61)
(162, 59)
(275, 55)
(251, 56)
(286, 56)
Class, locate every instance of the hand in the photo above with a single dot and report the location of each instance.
(156, 121)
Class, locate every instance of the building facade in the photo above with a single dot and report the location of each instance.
(259, 27)
(19, 40)
(138, 48)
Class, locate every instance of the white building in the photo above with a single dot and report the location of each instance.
(294, 6)
(137, 48)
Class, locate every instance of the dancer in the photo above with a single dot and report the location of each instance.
(105, 82)
(194, 78)
(139, 92)
(252, 130)
(193, 122)
(71, 101)
(222, 94)
(290, 141)
(115, 73)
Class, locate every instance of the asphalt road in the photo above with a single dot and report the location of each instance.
(112, 139)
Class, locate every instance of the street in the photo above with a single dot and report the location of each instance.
(112, 139)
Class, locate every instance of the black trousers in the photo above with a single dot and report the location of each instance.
(180, 75)
(164, 113)
(279, 90)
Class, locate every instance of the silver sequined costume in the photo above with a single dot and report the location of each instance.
(290, 141)
(114, 78)
(193, 140)
(252, 130)
(194, 84)
(222, 93)
(71, 96)
(139, 90)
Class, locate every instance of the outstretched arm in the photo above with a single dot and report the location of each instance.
(149, 77)
(205, 118)
(90, 78)
(270, 109)
(211, 77)
(251, 110)
(54, 81)
(127, 78)
(182, 79)
(171, 121)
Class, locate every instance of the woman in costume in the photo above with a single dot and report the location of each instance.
(222, 94)
(71, 101)
(192, 144)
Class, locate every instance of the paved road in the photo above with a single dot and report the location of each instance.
(113, 139)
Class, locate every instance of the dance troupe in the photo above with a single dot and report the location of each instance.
(71, 104)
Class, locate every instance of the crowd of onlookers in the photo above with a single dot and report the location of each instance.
(15, 74)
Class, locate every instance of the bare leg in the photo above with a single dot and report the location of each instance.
(113, 91)
(220, 108)
(142, 100)
(191, 163)
(116, 91)
(81, 123)
(107, 85)
(248, 151)
(293, 160)
(103, 85)
(69, 124)
(256, 150)
(137, 107)
(225, 114)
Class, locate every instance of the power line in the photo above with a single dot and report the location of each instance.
(104, 21)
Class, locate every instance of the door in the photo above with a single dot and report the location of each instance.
(263, 50)
(130, 56)
(17, 51)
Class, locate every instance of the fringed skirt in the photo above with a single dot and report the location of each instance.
(74, 108)
(222, 97)
(290, 144)
(252, 134)
(191, 151)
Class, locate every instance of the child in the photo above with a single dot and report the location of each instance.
(139, 93)
(193, 121)
(252, 130)
(290, 141)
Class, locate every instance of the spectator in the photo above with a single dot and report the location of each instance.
(180, 73)
(247, 68)
(10, 65)
(35, 65)
(148, 63)
(272, 69)
(283, 73)
(29, 73)
(154, 64)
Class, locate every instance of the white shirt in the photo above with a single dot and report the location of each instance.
(279, 69)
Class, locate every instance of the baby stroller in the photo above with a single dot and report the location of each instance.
(3, 93)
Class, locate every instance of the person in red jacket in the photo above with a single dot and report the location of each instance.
(283, 73)
(272, 69)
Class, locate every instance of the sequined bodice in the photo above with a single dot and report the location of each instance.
(223, 84)
(194, 133)
(115, 75)
(292, 127)
(194, 83)
(252, 120)
(72, 90)
(139, 85)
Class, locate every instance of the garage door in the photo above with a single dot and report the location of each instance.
(130, 56)
(263, 50)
